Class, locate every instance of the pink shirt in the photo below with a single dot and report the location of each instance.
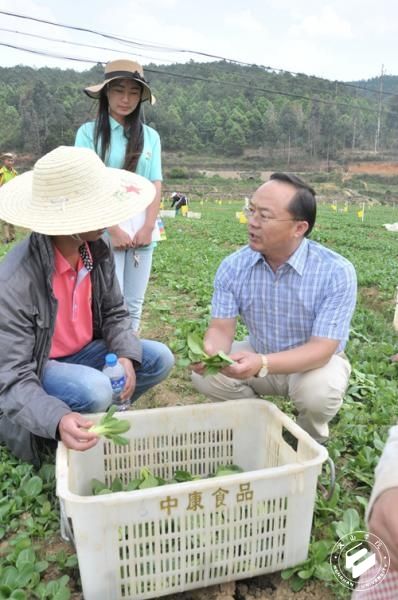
(74, 323)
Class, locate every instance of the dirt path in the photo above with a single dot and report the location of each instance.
(265, 587)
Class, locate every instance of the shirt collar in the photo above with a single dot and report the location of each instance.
(113, 123)
(61, 264)
(299, 257)
(297, 260)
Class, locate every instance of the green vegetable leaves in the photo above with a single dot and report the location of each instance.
(148, 480)
(111, 427)
(196, 353)
(223, 470)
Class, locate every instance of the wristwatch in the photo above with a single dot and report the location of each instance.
(263, 372)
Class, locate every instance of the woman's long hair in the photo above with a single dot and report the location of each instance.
(133, 131)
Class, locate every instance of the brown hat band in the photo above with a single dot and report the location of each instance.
(124, 75)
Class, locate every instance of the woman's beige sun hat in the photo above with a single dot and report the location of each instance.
(70, 191)
(122, 69)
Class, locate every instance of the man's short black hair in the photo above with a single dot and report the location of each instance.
(303, 204)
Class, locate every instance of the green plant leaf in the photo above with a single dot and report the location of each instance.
(26, 556)
(195, 345)
(33, 487)
(9, 576)
(306, 573)
(18, 595)
(5, 592)
(324, 572)
(117, 485)
(296, 583)
(349, 523)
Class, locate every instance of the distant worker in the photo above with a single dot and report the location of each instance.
(7, 172)
(178, 200)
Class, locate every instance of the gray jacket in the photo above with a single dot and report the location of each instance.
(28, 310)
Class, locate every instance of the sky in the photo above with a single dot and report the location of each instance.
(341, 40)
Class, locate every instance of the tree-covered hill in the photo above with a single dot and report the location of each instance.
(215, 108)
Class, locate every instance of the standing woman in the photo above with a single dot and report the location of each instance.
(119, 136)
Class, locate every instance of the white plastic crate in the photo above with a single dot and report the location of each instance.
(167, 213)
(149, 543)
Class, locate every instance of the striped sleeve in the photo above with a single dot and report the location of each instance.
(334, 315)
(224, 303)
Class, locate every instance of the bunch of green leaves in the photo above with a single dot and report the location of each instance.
(223, 470)
(213, 363)
(148, 480)
(26, 497)
(316, 566)
(21, 574)
(111, 427)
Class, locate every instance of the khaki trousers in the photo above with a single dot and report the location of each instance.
(317, 394)
(7, 231)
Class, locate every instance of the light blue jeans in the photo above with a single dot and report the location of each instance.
(133, 279)
(78, 380)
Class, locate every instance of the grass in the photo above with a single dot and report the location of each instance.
(36, 562)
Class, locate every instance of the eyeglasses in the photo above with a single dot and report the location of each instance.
(263, 218)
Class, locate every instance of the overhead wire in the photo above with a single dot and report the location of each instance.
(209, 81)
(162, 48)
(168, 48)
(81, 44)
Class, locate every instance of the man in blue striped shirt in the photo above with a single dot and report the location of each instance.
(296, 298)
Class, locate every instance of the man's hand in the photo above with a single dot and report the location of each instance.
(198, 368)
(73, 432)
(129, 387)
(119, 238)
(247, 364)
(143, 237)
(384, 522)
(210, 348)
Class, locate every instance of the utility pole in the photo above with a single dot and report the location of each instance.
(377, 136)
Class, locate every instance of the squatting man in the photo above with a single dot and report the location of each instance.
(296, 298)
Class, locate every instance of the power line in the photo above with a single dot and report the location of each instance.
(44, 53)
(50, 39)
(268, 91)
(179, 50)
(81, 44)
(209, 81)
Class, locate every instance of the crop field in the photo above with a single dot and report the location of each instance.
(35, 563)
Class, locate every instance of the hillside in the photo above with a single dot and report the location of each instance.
(245, 114)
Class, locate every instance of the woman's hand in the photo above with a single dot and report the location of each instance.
(143, 237)
(119, 238)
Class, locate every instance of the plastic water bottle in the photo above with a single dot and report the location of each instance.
(114, 370)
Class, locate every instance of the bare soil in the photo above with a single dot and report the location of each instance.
(374, 168)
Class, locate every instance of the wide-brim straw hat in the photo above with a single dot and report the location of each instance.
(7, 155)
(122, 69)
(71, 191)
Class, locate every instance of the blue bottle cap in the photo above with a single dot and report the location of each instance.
(110, 360)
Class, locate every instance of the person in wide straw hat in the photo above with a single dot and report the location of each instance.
(122, 140)
(61, 306)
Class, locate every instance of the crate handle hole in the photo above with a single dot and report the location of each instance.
(289, 438)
